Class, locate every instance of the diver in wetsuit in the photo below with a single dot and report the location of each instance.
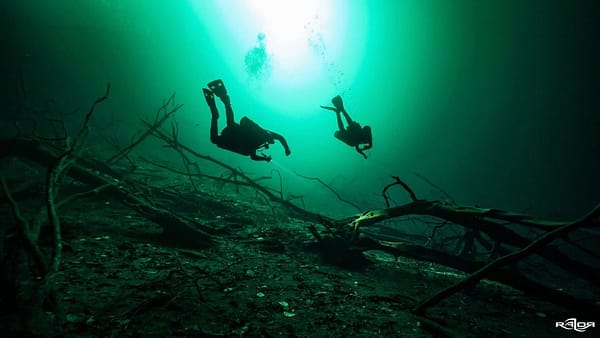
(353, 135)
(245, 138)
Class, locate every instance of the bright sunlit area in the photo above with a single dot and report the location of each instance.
(281, 47)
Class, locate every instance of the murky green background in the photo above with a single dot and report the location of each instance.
(494, 101)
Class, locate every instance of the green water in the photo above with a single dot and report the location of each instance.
(496, 102)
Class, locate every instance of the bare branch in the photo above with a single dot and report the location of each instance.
(158, 122)
(23, 229)
(301, 213)
(590, 220)
(397, 182)
(54, 177)
(280, 182)
(339, 197)
(448, 197)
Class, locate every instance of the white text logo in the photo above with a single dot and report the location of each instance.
(573, 324)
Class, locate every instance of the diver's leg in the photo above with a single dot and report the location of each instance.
(214, 128)
(218, 87)
(339, 105)
(347, 117)
(228, 111)
(339, 120)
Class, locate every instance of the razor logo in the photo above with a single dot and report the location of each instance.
(573, 324)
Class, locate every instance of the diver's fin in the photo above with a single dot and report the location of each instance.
(208, 95)
(210, 100)
(218, 87)
(329, 108)
(338, 103)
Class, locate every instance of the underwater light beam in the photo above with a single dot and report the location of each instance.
(282, 46)
(288, 26)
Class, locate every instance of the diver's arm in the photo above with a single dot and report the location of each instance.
(360, 151)
(362, 148)
(283, 142)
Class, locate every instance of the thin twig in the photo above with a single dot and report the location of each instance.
(186, 161)
(450, 199)
(397, 182)
(339, 197)
(81, 195)
(54, 178)
(280, 182)
(297, 210)
(211, 177)
(435, 228)
(158, 122)
(23, 229)
(292, 197)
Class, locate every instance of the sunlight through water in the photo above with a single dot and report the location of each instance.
(287, 45)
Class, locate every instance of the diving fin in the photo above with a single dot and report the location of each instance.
(329, 108)
(210, 100)
(338, 103)
(218, 87)
(208, 95)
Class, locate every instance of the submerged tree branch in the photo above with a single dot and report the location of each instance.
(299, 212)
(590, 220)
(24, 231)
(412, 195)
(54, 180)
(158, 122)
(337, 195)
